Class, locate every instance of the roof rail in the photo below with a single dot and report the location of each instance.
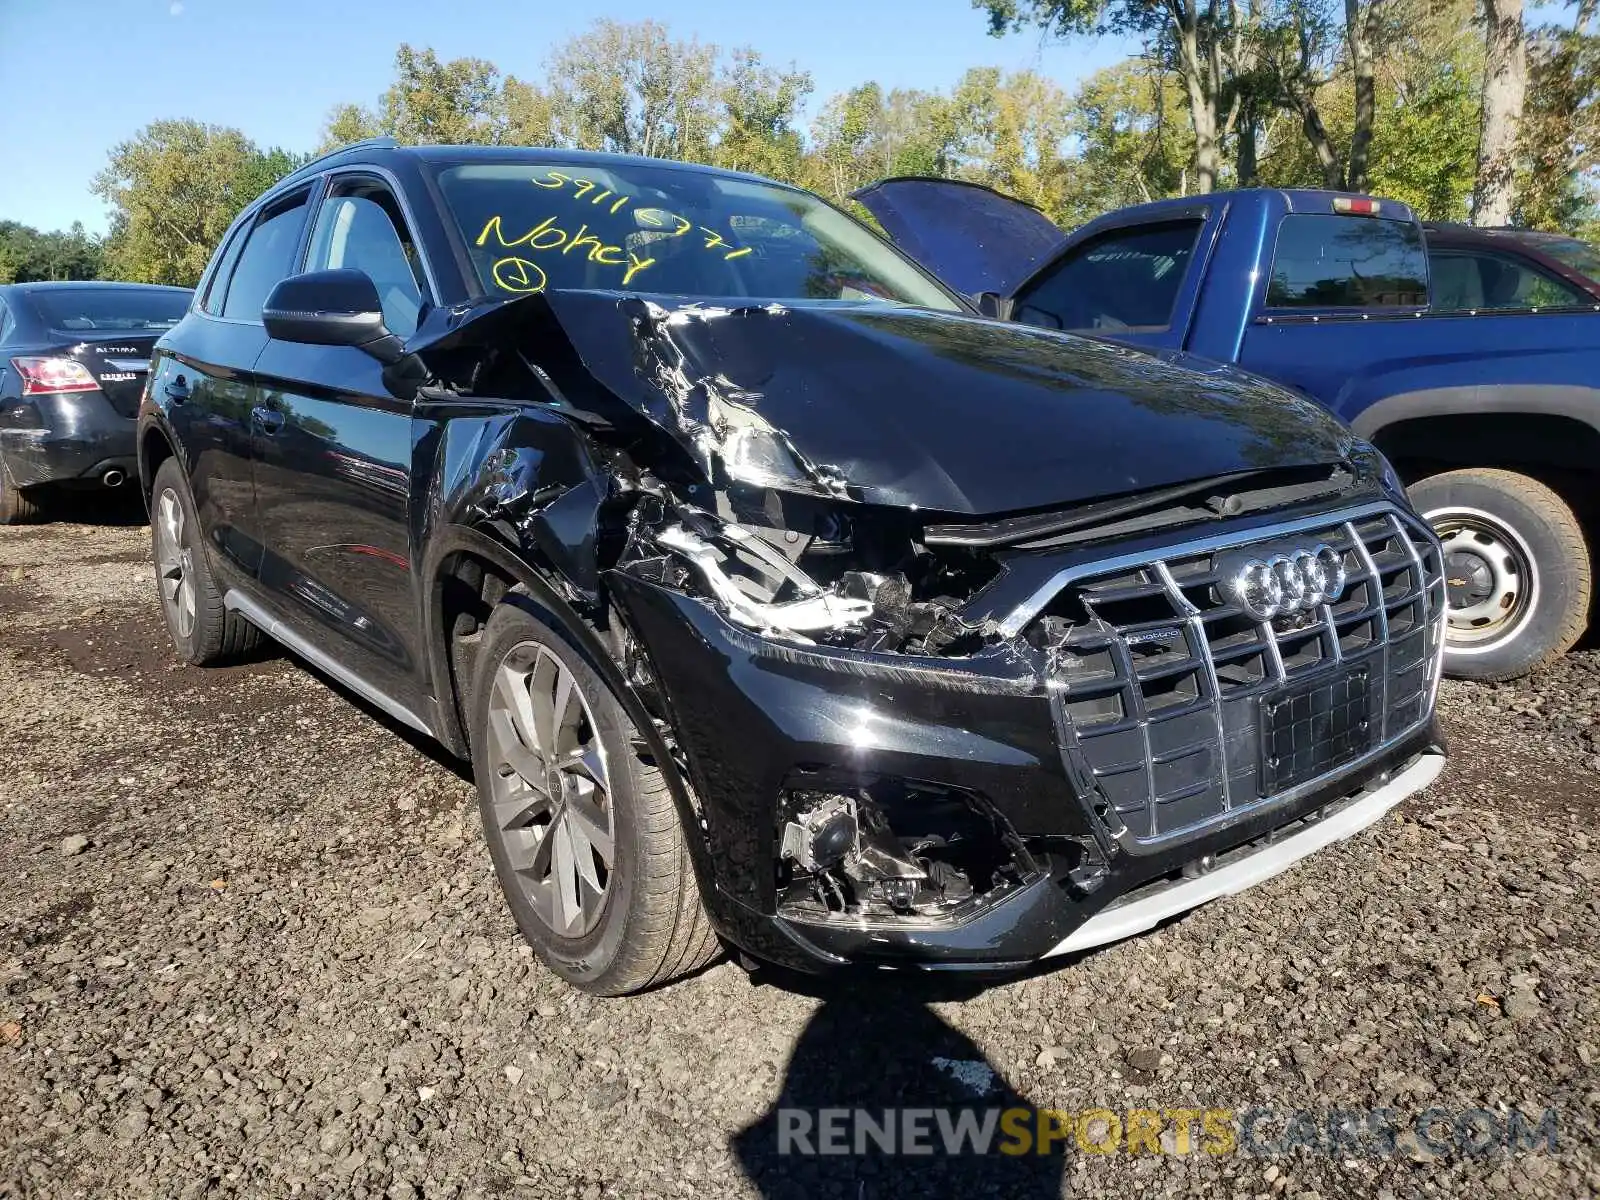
(373, 143)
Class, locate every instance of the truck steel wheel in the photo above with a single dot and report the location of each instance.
(203, 631)
(584, 835)
(1517, 571)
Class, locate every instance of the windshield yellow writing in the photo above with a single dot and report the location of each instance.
(649, 218)
(547, 235)
(518, 275)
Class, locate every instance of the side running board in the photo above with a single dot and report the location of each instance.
(279, 632)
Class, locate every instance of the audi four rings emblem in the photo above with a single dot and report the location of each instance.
(1296, 581)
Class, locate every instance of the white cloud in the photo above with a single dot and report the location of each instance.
(176, 8)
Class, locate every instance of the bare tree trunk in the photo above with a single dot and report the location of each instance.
(1249, 125)
(1505, 82)
(1202, 99)
(1360, 30)
(1322, 145)
(1204, 115)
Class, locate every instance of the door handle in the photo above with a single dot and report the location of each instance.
(177, 390)
(270, 419)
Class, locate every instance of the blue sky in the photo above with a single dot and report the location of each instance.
(94, 71)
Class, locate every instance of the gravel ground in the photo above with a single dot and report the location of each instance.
(250, 945)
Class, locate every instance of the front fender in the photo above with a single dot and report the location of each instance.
(545, 594)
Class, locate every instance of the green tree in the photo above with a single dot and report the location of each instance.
(759, 109)
(174, 188)
(26, 254)
(460, 102)
(1210, 45)
(1560, 137)
(1133, 141)
(633, 89)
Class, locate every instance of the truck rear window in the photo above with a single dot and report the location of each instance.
(1326, 261)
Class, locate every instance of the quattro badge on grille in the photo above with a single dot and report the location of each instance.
(1297, 580)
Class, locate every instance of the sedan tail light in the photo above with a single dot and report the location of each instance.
(41, 375)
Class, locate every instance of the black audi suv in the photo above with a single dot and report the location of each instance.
(773, 593)
(73, 358)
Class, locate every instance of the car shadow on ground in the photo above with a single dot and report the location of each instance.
(875, 1083)
(420, 742)
(119, 507)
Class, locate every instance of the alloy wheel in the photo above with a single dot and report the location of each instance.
(551, 792)
(175, 564)
(1490, 578)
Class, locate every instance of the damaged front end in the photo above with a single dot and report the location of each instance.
(870, 660)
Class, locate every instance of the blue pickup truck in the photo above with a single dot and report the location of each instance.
(1484, 393)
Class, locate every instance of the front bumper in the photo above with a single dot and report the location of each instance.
(757, 718)
(65, 438)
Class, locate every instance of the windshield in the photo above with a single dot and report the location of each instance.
(83, 309)
(548, 225)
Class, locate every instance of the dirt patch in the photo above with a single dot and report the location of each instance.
(282, 967)
(132, 645)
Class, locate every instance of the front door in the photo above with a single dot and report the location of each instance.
(333, 460)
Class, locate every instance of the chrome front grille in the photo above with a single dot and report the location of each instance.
(1160, 679)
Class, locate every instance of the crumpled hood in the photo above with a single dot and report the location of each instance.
(942, 411)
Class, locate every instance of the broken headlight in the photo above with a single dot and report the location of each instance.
(757, 586)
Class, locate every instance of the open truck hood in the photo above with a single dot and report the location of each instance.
(905, 406)
(971, 237)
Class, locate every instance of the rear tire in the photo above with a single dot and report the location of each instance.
(1517, 571)
(585, 835)
(204, 632)
(17, 507)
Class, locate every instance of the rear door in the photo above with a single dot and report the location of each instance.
(202, 380)
(333, 456)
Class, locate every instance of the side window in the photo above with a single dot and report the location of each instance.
(5, 321)
(217, 286)
(265, 260)
(1125, 280)
(1326, 261)
(359, 226)
(1465, 280)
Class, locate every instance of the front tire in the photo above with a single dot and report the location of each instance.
(204, 632)
(585, 836)
(1517, 571)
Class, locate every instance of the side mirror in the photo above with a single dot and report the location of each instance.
(331, 308)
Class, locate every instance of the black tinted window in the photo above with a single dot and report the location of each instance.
(1127, 279)
(1467, 280)
(83, 309)
(1325, 261)
(217, 287)
(267, 259)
